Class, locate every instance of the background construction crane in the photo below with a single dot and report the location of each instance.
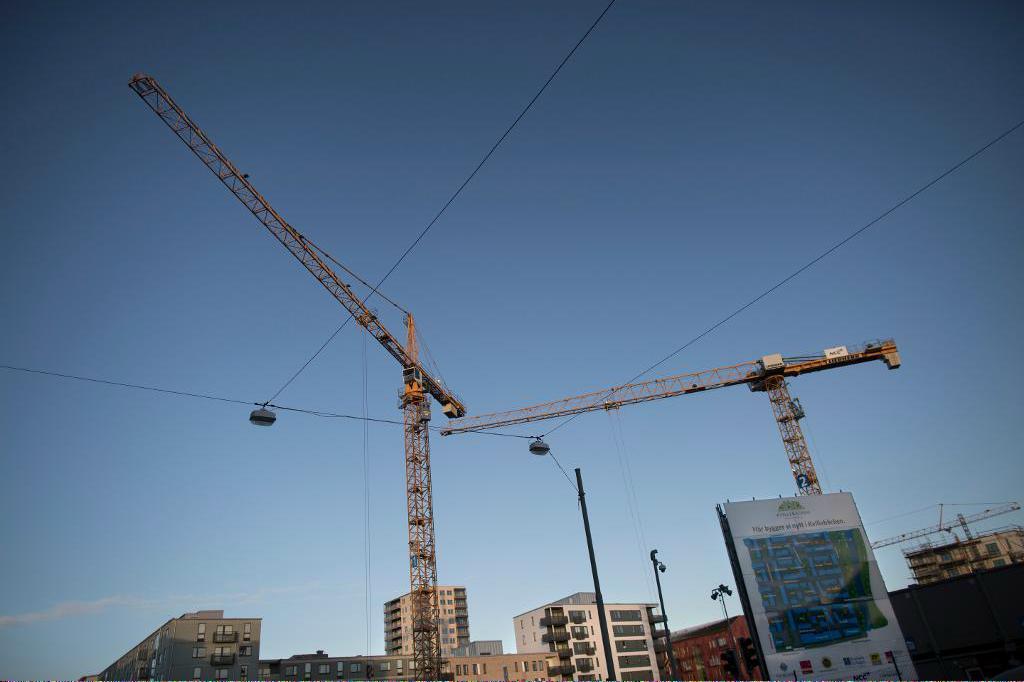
(417, 383)
(941, 527)
(767, 374)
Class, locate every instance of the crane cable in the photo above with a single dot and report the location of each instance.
(458, 191)
(632, 503)
(814, 261)
(366, 500)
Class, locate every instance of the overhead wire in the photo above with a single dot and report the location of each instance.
(207, 396)
(423, 233)
(803, 268)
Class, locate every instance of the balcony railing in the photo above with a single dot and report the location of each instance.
(225, 637)
(549, 637)
(584, 666)
(564, 653)
(660, 645)
(578, 618)
(580, 633)
(657, 618)
(564, 670)
(222, 659)
(548, 621)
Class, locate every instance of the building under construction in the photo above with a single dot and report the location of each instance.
(1001, 547)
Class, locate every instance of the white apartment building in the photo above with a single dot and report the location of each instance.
(568, 631)
(452, 626)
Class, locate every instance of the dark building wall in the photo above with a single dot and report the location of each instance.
(971, 627)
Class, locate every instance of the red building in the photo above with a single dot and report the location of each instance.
(698, 650)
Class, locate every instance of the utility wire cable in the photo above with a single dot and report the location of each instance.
(455, 195)
(559, 465)
(206, 396)
(803, 268)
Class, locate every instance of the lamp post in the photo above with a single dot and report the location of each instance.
(660, 567)
(540, 448)
(719, 594)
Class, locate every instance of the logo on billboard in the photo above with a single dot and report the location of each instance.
(876, 659)
(791, 508)
(827, 662)
(805, 667)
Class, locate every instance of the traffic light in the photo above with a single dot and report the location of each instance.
(728, 659)
(748, 652)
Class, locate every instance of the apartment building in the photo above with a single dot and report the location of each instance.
(320, 666)
(506, 667)
(568, 631)
(453, 621)
(203, 645)
(932, 563)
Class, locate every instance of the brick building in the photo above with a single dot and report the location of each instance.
(698, 649)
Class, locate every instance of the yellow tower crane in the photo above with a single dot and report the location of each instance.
(417, 383)
(768, 374)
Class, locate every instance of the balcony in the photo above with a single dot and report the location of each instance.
(584, 666)
(578, 618)
(225, 637)
(222, 659)
(587, 650)
(656, 618)
(660, 646)
(564, 670)
(565, 653)
(549, 637)
(580, 633)
(548, 621)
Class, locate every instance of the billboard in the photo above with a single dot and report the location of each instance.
(816, 595)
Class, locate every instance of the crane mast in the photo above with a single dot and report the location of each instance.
(766, 375)
(417, 384)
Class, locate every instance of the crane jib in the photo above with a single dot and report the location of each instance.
(238, 184)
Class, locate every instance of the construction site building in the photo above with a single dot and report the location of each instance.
(931, 563)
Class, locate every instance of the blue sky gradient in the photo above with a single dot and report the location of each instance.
(689, 156)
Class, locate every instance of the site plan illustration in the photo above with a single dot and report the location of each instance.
(815, 587)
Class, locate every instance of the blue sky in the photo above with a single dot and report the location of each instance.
(689, 156)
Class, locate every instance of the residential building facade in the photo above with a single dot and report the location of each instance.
(509, 667)
(453, 621)
(568, 630)
(932, 563)
(320, 666)
(203, 645)
(699, 649)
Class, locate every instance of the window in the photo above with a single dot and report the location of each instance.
(225, 629)
(992, 547)
(341, 666)
(291, 670)
(625, 615)
(633, 661)
(324, 668)
(198, 652)
(628, 630)
(533, 666)
(247, 633)
(516, 664)
(197, 673)
(631, 645)
(245, 650)
(636, 675)
(998, 562)
(384, 665)
(243, 672)
(355, 667)
(483, 668)
(221, 673)
(201, 633)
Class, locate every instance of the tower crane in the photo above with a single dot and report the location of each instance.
(418, 385)
(766, 375)
(941, 527)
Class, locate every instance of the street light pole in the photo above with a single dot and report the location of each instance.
(719, 593)
(602, 619)
(658, 566)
